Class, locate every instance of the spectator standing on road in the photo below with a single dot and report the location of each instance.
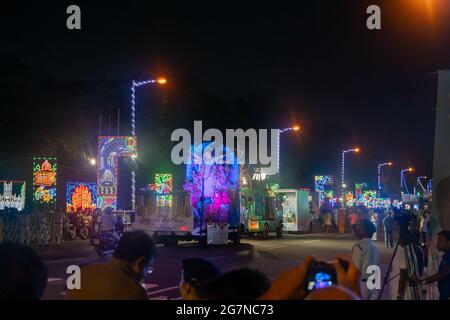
(24, 227)
(341, 220)
(374, 220)
(443, 275)
(387, 226)
(42, 226)
(364, 254)
(423, 228)
(327, 221)
(353, 219)
(58, 226)
(335, 216)
(108, 223)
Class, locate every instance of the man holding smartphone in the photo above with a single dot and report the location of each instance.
(364, 254)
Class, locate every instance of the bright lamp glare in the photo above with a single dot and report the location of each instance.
(93, 161)
(296, 128)
(357, 149)
(161, 80)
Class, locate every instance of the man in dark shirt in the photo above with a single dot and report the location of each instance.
(443, 275)
(387, 228)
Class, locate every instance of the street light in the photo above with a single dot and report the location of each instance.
(280, 131)
(418, 182)
(92, 161)
(379, 175)
(134, 85)
(356, 150)
(402, 178)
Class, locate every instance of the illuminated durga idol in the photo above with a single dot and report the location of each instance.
(81, 196)
(213, 186)
(44, 180)
(12, 195)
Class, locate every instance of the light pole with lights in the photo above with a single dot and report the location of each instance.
(280, 131)
(402, 178)
(134, 85)
(379, 176)
(343, 168)
(419, 183)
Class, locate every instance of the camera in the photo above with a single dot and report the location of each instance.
(322, 274)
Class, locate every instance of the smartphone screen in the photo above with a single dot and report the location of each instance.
(320, 280)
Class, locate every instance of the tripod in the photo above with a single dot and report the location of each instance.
(408, 252)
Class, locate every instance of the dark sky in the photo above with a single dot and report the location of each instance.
(232, 65)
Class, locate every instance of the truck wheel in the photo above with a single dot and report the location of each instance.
(203, 242)
(171, 242)
(236, 238)
(279, 232)
(266, 231)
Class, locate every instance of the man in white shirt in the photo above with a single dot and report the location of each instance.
(364, 254)
(423, 228)
(108, 223)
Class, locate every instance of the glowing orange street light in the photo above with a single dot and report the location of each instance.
(296, 128)
(357, 150)
(161, 80)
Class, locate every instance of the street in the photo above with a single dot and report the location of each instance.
(270, 256)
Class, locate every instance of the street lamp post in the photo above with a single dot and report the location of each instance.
(379, 176)
(134, 85)
(418, 182)
(402, 178)
(280, 131)
(343, 168)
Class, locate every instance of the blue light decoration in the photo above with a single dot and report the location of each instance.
(321, 181)
(12, 194)
(44, 180)
(81, 196)
(323, 185)
(109, 149)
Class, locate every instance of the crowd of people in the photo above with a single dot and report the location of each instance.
(410, 276)
(24, 276)
(343, 220)
(45, 225)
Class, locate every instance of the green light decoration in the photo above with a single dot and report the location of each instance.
(44, 180)
(163, 188)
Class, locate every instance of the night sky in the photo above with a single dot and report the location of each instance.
(233, 66)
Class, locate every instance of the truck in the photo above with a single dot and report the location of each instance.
(296, 204)
(206, 210)
(168, 224)
(261, 211)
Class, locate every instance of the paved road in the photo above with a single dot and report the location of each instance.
(270, 256)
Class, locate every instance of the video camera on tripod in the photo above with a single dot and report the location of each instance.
(405, 242)
(404, 219)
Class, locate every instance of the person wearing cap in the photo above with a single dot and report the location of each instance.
(364, 254)
(194, 272)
